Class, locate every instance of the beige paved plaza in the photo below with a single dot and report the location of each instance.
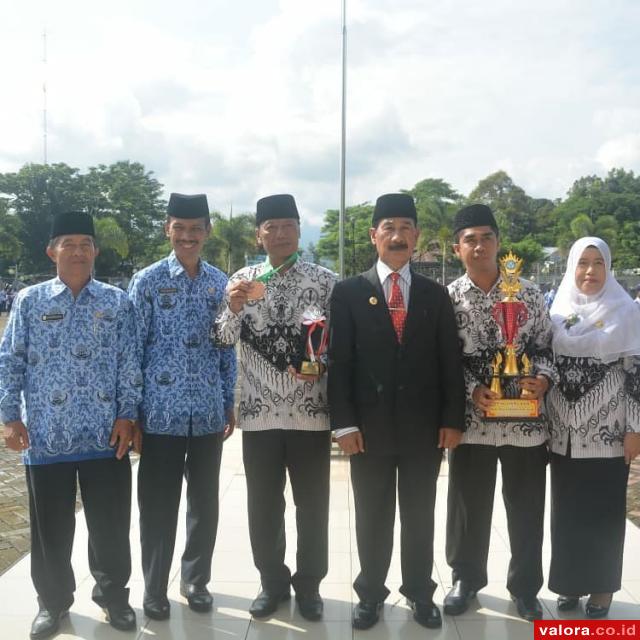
(235, 582)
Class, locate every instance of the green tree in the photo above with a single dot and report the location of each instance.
(113, 244)
(581, 226)
(511, 206)
(528, 249)
(35, 194)
(359, 252)
(628, 247)
(436, 204)
(608, 207)
(123, 191)
(232, 240)
(130, 195)
(10, 245)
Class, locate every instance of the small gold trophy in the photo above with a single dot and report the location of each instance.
(510, 314)
(313, 341)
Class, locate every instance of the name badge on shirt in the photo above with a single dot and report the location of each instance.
(168, 290)
(46, 317)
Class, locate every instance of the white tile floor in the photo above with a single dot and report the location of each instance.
(235, 582)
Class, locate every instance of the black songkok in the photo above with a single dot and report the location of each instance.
(72, 223)
(394, 205)
(188, 207)
(474, 215)
(281, 205)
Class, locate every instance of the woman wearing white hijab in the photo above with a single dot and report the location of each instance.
(594, 412)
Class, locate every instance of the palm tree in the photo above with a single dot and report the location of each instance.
(231, 240)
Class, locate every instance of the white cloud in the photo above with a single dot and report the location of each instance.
(620, 152)
(241, 99)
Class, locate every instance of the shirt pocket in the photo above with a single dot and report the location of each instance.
(104, 328)
(50, 331)
(167, 309)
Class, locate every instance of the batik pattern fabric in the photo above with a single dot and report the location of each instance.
(188, 380)
(68, 369)
(481, 338)
(593, 406)
(269, 331)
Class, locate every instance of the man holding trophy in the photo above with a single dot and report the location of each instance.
(278, 311)
(505, 334)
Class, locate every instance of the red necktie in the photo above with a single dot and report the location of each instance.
(396, 306)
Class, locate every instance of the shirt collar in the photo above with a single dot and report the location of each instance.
(282, 274)
(384, 271)
(467, 284)
(58, 287)
(176, 268)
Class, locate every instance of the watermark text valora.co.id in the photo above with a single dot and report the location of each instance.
(627, 629)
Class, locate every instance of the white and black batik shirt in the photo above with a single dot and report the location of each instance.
(593, 406)
(270, 331)
(481, 338)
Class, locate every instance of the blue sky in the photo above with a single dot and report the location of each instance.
(241, 99)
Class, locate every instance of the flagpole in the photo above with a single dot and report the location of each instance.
(343, 141)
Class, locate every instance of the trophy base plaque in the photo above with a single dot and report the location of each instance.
(513, 410)
(308, 368)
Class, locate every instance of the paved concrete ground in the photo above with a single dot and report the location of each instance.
(235, 581)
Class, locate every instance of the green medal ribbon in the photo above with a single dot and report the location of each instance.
(265, 277)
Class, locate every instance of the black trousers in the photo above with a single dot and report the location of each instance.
(105, 486)
(472, 479)
(374, 479)
(164, 462)
(588, 519)
(267, 456)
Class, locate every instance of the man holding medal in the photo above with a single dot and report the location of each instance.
(397, 399)
(187, 406)
(278, 311)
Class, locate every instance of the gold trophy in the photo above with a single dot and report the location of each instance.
(510, 314)
(314, 340)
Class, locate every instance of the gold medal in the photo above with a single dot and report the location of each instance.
(256, 290)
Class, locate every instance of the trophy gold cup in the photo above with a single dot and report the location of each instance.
(510, 314)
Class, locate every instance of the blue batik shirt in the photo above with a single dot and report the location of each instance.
(188, 381)
(68, 369)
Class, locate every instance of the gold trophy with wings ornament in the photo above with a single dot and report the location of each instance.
(511, 314)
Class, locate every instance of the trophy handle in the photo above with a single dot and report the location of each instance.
(496, 386)
(526, 372)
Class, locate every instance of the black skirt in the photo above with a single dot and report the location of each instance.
(588, 518)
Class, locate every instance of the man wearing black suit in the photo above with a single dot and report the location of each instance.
(396, 397)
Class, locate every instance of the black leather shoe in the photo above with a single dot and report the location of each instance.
(595, 611)
(198, 597)
(46, 623)
(567, 603)
(267, 602)
(426, 614)
(529, 607)
(458, 599)
(310, 605)
(156, 607)
(121, 616)
(366, 614)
